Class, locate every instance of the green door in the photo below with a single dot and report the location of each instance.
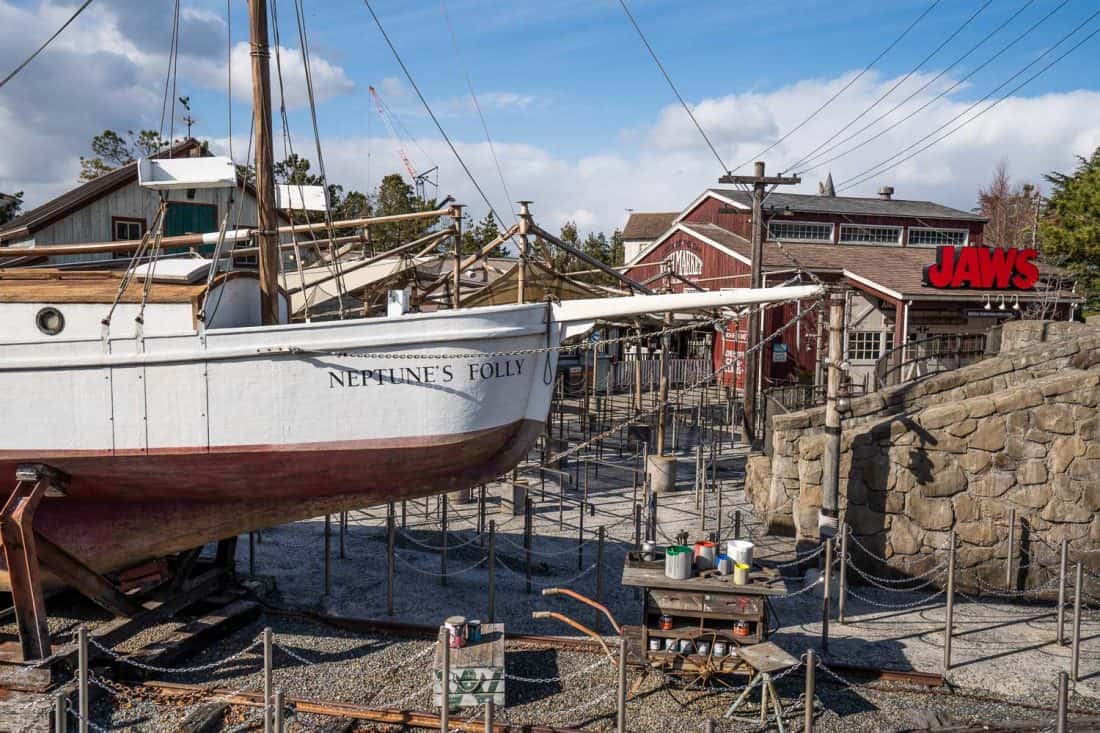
(187, 218)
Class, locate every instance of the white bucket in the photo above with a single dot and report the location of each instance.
(740, 551)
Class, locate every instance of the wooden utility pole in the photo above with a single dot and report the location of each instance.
(759, 183)
(267, 236)
(662, 388)
(830, 460)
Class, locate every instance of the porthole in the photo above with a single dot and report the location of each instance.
(50, 321)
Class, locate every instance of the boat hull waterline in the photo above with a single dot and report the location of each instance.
(174, 441)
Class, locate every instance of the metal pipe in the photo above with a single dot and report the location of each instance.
(1063, 699)
(82, 678)
(949, 610)
(1060, 637)
(445, 683)
(328, 551)
(490, 714)
(826, 593)
(842, 590)
(251, 553)
(737, 524)
(443, 544)
(1008, 551)
(600, 607)
(391, 541)
(620, 699)
(343, 534)
(811, 669)
(599, 573)
(492, 570)
(576, 625)
(267, 679)
(1075, 654)
(278, 706)
(527, 542)
(60, 713)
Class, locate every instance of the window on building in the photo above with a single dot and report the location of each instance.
(124, 229)
(806, 231)
(855, 234)
(864, 345)
(188, 218)
(931, 237)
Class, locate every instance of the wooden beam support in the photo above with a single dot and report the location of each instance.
(21, 554)
(86, 581)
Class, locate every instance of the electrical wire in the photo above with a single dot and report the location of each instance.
(48, 41)
(893, 88)
(480, 114)
(873, 170)
(843, 89)
(672, 86)
(862, 178)
(428, 107)
(939, 96)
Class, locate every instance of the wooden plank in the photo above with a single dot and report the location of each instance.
(767, 657)
(26, 679)
(193, 637)
(654, 577)
(87, 582)
(206, 718)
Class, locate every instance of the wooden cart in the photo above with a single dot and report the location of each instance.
(702, 609)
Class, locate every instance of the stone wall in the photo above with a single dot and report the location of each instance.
(1019, 432)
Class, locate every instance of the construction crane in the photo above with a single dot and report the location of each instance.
(419, 179)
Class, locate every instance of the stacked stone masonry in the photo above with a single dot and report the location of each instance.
(960, 450)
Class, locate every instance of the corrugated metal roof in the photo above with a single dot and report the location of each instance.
(809, 203)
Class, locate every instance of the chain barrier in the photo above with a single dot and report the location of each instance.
(405, 535)
(875, 581)
(561, 678)
(560, 714)
(171, 670)
(396, 704)
(879, 604)
(804, 589)
(541, 584)
(995, 591)
(448, 574)
(799, 559)
(87, 721)
(537, 553)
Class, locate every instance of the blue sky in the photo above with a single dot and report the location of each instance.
(583, 121)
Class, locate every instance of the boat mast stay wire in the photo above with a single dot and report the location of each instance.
(687, 108)
(170, 80)
(929, 83)
(874, 170)
(428, 107)
(26, 62)
(843, 89)
(893, 87)
(477, 106)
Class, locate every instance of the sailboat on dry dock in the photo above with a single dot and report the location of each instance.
(196, 412)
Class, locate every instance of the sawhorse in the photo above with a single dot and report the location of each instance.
(765, 659)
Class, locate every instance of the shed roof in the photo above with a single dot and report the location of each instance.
(648, 225)
(855, 205)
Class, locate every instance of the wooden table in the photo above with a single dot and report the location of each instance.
(477, 671)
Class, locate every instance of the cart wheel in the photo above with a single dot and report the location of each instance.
(696, 671)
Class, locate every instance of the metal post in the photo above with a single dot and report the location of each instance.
(1060, 637)
(699, 480)
(445, 688)
(527, 542)
(1063, 699)
(651, 530)
(637, 527)
(842, 590)
(580, 535)
(826, 600)
(830, 460)
(391, 542)
(278, 706)
(1008, 552)
(492, 570)
(949, 610)
(490, 714)
(599, 575)
(82, 678)
(60, 713)
(443, 544)
(718, 490)
(327, 570)
(404, 514)
(620, 718)
(267, 679)
(811, 669)
(737, 524)
(1075, 654)
(251, 553)
(710, 725)
(481, 514)
(343, 533)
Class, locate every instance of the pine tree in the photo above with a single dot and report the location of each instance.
(1071, 226)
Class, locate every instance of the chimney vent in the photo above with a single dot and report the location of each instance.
(886, 193)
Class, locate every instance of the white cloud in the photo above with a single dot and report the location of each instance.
(329, 80)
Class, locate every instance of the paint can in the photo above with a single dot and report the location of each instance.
(678, 561)
(473, 631)
(723, 564)
(654, 645)
(741, 628)
(721, 649)
(704, 555)
(665, 623)
(702, 648)
(649, 551)
(740, 574)
(740, 551)
(686, 647)
(456, 631)
(670, 645)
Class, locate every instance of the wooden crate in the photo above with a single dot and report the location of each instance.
(477, 671)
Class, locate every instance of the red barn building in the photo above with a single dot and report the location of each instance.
(879, 247)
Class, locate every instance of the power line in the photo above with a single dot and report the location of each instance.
(42, 48)
(431, 114)
(672, 86)
(942, 94)
(844, 88)
(871, 172)
(477, 106)
(891, 90)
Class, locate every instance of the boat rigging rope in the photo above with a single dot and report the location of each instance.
(42, 48)
(128, 276)
(150, 271)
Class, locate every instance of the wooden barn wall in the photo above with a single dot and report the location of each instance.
(708, 212)
(719, 269)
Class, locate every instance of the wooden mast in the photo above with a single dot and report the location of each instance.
(267, 236)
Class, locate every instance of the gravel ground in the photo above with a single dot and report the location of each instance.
(1006, 663)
